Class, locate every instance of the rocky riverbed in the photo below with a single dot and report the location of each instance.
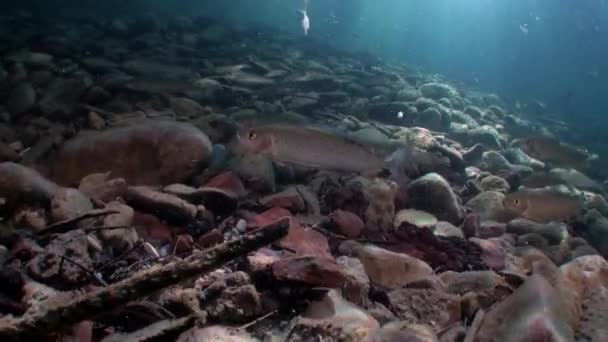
(127, 211)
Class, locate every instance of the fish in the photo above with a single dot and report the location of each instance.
(554, 152)
(304, 21)
(308, 147)
(543, 205)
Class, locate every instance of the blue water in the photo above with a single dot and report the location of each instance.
(551, 50)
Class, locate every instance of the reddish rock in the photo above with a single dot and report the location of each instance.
(304, 241)
(228, 182)
(347, 223)
(310, 270)
(262, 259)
(151, 229)
(289, 199)
(490, 229)
(210, 239)
(161, 204)
(493, 252)
(69, 203)
(25, 249)
(147, 153)
(100, 187)
(267, 217)
(183, 243)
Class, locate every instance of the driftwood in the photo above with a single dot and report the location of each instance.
(51, 315)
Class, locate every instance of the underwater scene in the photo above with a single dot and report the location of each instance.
(304, 170)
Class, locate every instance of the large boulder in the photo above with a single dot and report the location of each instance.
(149, 153)
(432, 193)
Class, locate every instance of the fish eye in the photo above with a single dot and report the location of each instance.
(252, 135)
(516, 202)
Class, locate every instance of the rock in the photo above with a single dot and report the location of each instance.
(389, 269)
(95, 121)
(576, 179)
(61, 97)
(305, 241)
(485, 135)
(7, 154)
(289, 199)
(380, 196)
(432, 193)
(493, 252)
(22, 185)
(596, 231)
(461, 283)
(585, 284)
(215, 333)
(155, 70)
(346, 223)
(489, 229)
(494, 183)
(99, 187)
(553, 232)
(31, 219)
(310, 270)
(437, 90)
(161, 204)
(489, 206)
(534, 312)
(416, 218)
(404, 331)
(256, 171)
(333, 319)
(149, 153)
(357, 286)
(99, 64)
(185, 107)
(97, 95)
(421, 306)
(21, 99)
(430, 118)
(122, 239)
(495, 162)
(444, 228)
(517, 156)
(69, 203)
(50, 268)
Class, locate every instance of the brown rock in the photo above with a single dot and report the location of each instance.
(310, 270)
(31, 218)
(404, 331)
(436, 308)
(211, 239)
(535, 312)
(123, 239)
(99, 187)
(21, 99)
(151, 152)
(163, 205)
(389, 269)
(346, 223)
(289, 199)
(69, 203)
(95, 121)
(50, 267)
(493, 252)
(267, 217)
(357, 286)
(216, 333)
(20, 185)
(333, 319)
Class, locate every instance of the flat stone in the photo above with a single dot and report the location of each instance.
(310, 270)
(389, 269)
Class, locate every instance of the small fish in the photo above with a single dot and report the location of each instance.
(552, 151)
(304, 21)
(542, 205)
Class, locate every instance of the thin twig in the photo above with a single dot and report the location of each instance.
(257, 320)
(66, 225)
(120, 257)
